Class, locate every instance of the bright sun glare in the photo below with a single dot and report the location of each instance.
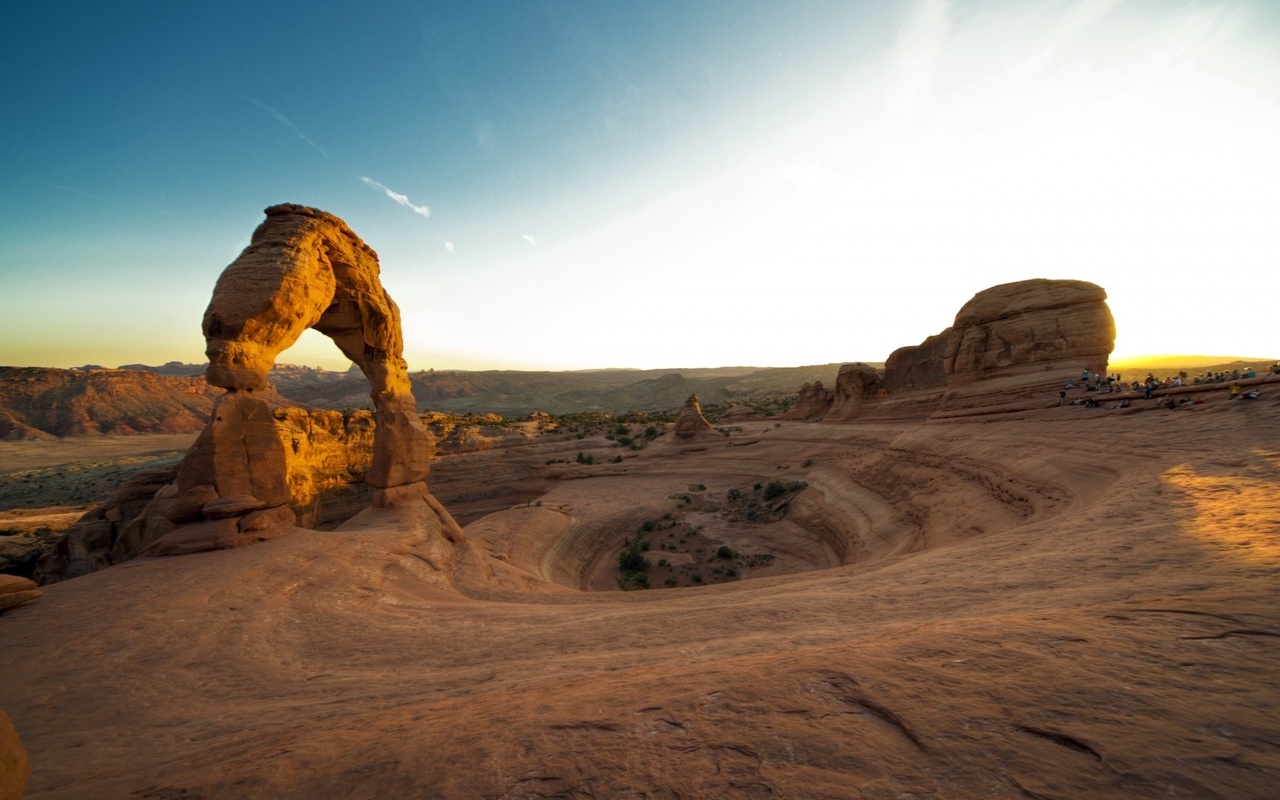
(982, 151)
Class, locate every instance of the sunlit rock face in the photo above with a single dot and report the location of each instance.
(1022, 327)
(303, 268)
(691, 425)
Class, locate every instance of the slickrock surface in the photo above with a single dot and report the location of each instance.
(1062, 603)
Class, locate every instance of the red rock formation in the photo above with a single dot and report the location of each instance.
(16, 591)
(303, 269)
(1019, 328)
(854, 384)
(691, 425)
(813, 402)
(1008, 347)
(916, 367)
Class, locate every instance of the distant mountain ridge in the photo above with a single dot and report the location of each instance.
(38, 402)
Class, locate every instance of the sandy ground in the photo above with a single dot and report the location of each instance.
(79, 470)
(1070, 604)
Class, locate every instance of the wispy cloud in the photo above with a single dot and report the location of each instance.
(448, 246)
(529, 239)
(285, 121)
(71, 189)
(422, 211)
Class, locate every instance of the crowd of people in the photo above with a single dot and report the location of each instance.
(1111, 383)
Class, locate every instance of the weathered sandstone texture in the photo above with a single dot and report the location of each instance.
(691, 426)
(1022, 327)
(921, 366)
(854, 384)
(15, 767)
(326, 455)
(1010, 348)
(813, 402)
(303, 269)
(16, 591)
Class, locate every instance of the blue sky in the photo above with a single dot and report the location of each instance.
(659, 184)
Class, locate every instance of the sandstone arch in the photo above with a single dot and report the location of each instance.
(303, 268)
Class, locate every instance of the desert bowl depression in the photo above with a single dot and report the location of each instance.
(942, 578)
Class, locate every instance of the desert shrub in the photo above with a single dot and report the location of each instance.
(696, 578)
(759, 560)
(648, 525)
(616, 459)
(697, 487)
(777, 489)
(632, 560)
(724, 552)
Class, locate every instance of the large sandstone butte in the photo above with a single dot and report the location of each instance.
(1010, 348)
(303, 268)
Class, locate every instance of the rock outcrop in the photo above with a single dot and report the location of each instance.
(1020, 328)
(16, 591)
(855, 383)
(1008, 348)
(813, 402)
(326, 455)
(917, 367)
(691, 426)
(303, 269)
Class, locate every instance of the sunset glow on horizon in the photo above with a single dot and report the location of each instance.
(574, 187)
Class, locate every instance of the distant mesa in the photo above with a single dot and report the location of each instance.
(41, 403)
(691, 425)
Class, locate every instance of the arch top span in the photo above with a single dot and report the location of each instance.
(305, 268)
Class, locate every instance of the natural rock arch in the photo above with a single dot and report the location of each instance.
(303, 268)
